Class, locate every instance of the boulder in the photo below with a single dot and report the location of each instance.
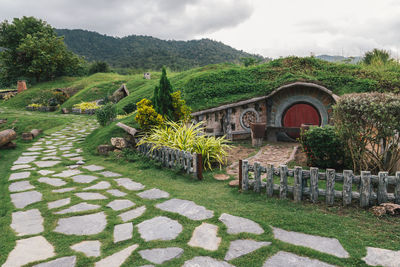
(105, 149)
(119, 142)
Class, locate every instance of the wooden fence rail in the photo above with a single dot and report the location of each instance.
(370, 188)
(192, 163)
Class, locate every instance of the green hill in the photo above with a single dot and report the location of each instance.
(214, 85)
(146, 52)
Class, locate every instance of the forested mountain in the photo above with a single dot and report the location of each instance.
(146, 52)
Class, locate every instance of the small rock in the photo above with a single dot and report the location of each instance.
(186, 208)
(221, 177)
(119, 142)
(129, 184)
(80, 162)
(116, 193)
(90, 196)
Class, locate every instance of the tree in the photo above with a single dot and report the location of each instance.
(376, 57)
(249, 61)
(99, 66)
(33, 50)
(162, 98)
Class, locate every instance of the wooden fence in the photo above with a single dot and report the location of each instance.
(174, 158)
(371, 189)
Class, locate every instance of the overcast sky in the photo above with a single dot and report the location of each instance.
(271, 28)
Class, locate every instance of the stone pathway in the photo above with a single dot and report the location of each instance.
(87, 199)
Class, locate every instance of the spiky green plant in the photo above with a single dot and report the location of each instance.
(191, 138)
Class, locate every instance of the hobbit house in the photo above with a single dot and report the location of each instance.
(283, 111)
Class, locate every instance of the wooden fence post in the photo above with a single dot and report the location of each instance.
(298, 184)
(314, 184)
(245, 175)
(199, 167)
(257, 177)
(365, 189)
(347, 187)
(382, 187)
(270, 180)
(397, 189)
(283, 182)
(330, 186)
(240, 174)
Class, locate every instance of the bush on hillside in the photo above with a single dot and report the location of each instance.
(323, 147)
(146, 115)
(181, 110)
(189, 138)
(129, 108)
(106, 114)
(99, 66)
(369, 125)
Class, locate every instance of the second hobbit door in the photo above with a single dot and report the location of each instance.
(299, 114)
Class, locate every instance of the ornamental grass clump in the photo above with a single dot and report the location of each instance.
(191, 138)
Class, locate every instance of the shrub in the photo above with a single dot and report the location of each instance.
(99, 66)
(106, 114)
(189, 138)
(369, 125)
(181, 110)
(87, 105)
(129, 108)
(323, 147)
(146, 115)
(162, 98)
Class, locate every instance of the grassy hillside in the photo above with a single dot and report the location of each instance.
(214, 85)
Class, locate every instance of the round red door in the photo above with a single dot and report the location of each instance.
(299, 114)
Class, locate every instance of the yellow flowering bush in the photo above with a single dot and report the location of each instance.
(34, 105)
(146, 115)
(87, 105)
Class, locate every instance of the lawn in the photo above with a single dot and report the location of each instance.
(353, 227)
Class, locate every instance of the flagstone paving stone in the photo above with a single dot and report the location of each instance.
(84, 179)
(67, 173)
(79, 159)
(237, 225)
(93, 168)
(63, 190)
(110, 174)
(205, 236)
(99, 186)
(23, 199)
(116, 193)
(52, 181)
(79, 208)
(123, 232)
(129, 184)
(19, 176)
(161, 255)
(18, 167)
(61, 262)
(323, 244)
(20, 186)
(186, 208)
(239, 248)
(204, 261)
(70, 155)
(30, 153)
(46, 163)
(45, 172)
(116, 259)
(91, 224)
(120, 204)
(25, 160)
(90, 196)
(50, 158)
(35, 149)
(132, 214)
(382, 257)
(29, 250)
(153, 193)
(89, 248)
(287, 259)
(58, 203)
(159, 228)
(28, 222)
